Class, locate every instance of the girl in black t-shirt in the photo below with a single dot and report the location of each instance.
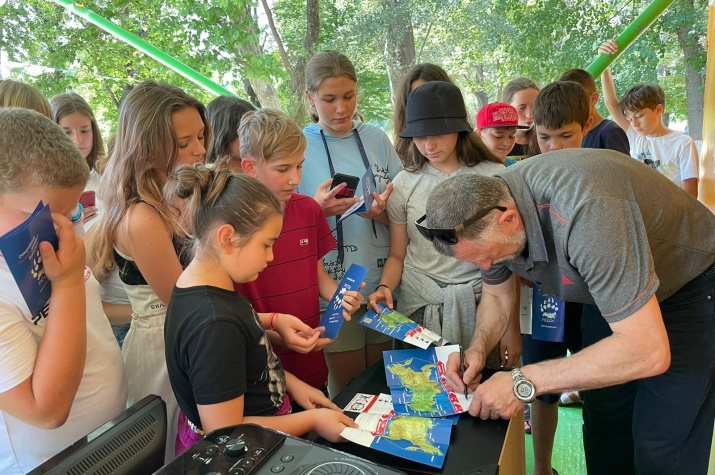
(221, 364)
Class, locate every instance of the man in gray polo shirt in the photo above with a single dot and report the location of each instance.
(590, 226)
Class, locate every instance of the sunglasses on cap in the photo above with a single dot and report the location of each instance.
(449, 236)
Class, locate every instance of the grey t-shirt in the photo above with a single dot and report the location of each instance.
(605, 230)
(407, 204)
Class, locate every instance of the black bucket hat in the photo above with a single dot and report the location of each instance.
(435, 108)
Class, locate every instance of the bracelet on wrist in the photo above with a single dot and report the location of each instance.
(382, 285)
(271, 323)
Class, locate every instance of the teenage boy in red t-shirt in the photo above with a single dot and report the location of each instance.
(272, 147)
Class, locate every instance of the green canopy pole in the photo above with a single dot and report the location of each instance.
(631, 33)
(146, 48)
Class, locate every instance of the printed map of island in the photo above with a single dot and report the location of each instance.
(416, 381)
(414, 438)
(419, 439)
(394, 324)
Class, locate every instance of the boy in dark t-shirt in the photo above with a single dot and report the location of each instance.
(604, 133)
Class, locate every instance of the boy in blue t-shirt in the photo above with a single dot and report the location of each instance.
(604, 133)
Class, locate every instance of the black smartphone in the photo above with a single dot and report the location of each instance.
(349, 190)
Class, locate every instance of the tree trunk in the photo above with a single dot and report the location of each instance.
(252, 96)
(263, 87)
(299, 108)
(482, 97)
(694, 83)
(400, 41)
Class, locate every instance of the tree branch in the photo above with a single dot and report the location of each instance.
(424, 41)
(106, 87)
(276, 36)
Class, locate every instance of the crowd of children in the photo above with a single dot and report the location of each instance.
(212, 245)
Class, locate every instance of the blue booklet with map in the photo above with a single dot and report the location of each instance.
(368, 186)
(547, 317)
(392, 323)
(21, 249)
(418, 382)
(333, 317)
(415, 438)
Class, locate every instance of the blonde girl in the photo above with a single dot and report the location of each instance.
(19, 94)
(160, 128)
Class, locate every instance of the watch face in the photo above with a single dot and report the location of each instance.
(524, 390)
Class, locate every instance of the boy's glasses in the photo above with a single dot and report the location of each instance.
(449, 236)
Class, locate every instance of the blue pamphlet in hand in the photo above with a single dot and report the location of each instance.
(368, 186)
(396, 325)
(548, 315)
(333, 317)
(21, 249)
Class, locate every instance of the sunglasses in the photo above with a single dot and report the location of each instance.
(449, 236)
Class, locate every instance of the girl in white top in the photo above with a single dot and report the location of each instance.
(76, 118)
(438, 291)
(160, 128)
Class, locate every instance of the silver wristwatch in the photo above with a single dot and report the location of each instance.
(523, 388)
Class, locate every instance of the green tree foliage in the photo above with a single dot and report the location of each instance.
(481, 43)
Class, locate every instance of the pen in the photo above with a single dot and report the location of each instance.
(461, 362)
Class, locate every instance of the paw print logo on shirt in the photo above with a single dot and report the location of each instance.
(548, 309)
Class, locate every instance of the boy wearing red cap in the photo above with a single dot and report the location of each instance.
(496, 125)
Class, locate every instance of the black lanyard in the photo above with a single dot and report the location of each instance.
(366, 162)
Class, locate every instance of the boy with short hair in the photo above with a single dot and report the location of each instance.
(497, 124)
(272, 147)
(604, 133)
(562, 116)
(62, 374)
(640, 114)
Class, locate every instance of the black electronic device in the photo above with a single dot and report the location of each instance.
(132, 443)
(351, 185)
(248, 449)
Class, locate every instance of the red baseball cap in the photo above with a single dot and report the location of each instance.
(498, 114)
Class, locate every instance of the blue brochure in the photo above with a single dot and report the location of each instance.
(394, 324)
(548, 316)
(418, 382)
(414, 438)
(333, 317)
(21, 249)
(368, 186)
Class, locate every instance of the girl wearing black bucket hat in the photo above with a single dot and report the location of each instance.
(416, 76)
(438, 291)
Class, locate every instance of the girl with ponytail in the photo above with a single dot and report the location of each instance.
(235, 220)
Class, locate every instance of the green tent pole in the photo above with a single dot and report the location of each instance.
(146, 48)
(631, 33)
